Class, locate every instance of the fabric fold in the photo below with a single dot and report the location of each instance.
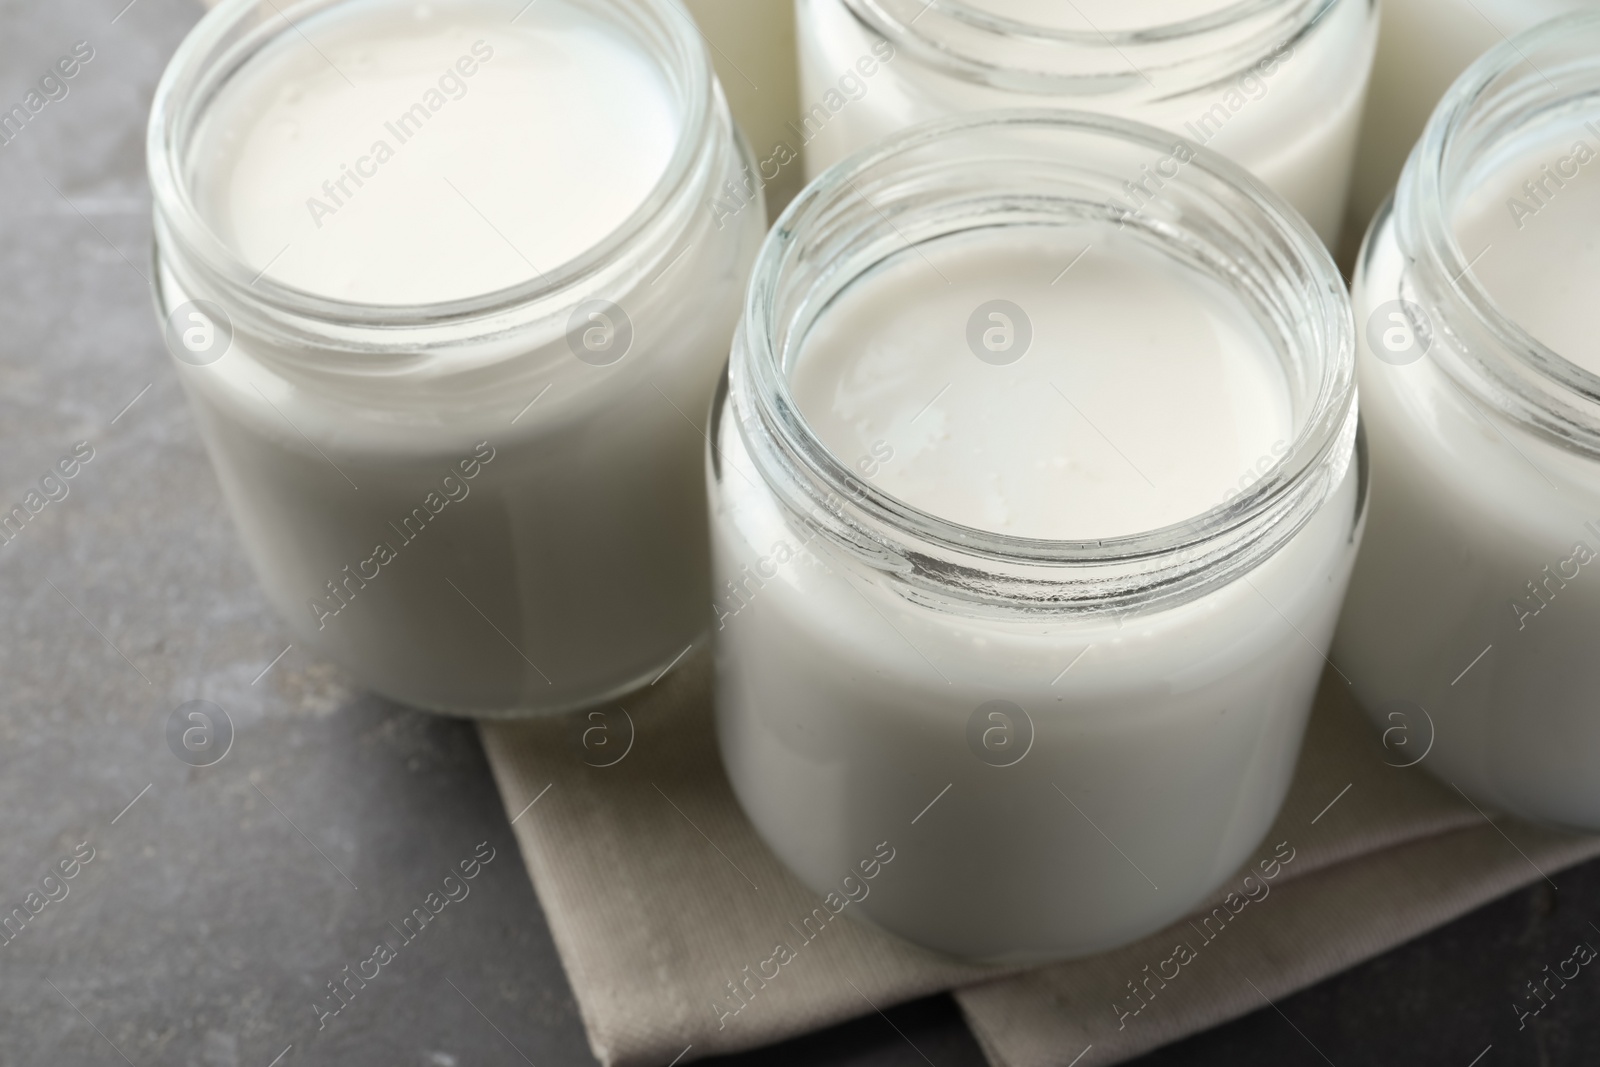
(683, 935)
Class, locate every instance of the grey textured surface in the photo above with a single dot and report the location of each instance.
(221, 901)
(218, 906)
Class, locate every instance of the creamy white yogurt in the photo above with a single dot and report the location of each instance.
(1474, 607)
(1114, 421)
(549, 169)
(1055, 778)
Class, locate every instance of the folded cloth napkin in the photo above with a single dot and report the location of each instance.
(683, 936)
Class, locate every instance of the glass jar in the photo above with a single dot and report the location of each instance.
(753, 50)
(1469, 629)
(1018, 738)
(1274, 85)
(480, 499)
(1423, 46)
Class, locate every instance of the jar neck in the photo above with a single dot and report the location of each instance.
(1147, 63)
(360, 336)
(1550, 70)
(1038, 168)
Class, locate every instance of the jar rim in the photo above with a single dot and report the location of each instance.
(1217, 50)
(793, 452)
(1500, 360)
(223, 42)
(970, 13)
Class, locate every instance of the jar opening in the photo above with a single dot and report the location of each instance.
(1001, 174)
(1530, 93)
(254, 51)
(1156, 51)
(1069, 380)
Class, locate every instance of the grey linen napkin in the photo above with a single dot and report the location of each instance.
(669, 912)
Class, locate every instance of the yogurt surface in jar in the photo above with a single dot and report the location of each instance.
(1423, 46)
(1531, 214)
(455, 406)
(936, 486)
(411, 154)
(1111, 421)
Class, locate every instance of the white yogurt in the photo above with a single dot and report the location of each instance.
(492, 506)
(1534, 215)
(409, 186)
(1423, 45)
(1473, 609)
(1135, 757)
(1286, 109)
(753, 50)
(1115, 421)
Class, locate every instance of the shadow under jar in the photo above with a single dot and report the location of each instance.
(444, 291)
(1473, 613)
(1028, 519)
(1274, 85)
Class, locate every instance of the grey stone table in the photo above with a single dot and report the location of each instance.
(210, 906)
